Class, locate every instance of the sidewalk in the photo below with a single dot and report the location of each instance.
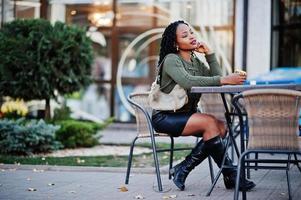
(89, 183)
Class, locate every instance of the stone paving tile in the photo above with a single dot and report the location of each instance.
(88, 183)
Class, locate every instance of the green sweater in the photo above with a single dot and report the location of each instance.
(176, 70)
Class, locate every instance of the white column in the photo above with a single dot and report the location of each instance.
(238, 34)
(175, 8)
(58, 12)
(37, 12)
(259, 37)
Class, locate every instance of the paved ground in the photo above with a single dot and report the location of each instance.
(71, 183)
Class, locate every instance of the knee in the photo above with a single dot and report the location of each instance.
(222, 128)
(212, 124)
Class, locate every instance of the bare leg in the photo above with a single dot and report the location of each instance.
(206, 124)
(198, 124)
(222, 128)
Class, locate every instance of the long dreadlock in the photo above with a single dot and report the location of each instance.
(169, 39)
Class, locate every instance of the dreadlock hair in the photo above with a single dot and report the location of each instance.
(169, 39)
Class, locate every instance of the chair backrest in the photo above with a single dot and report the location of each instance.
(273, 118)
(143, 112)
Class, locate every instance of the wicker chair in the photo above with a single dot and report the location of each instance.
(143, 111)
(273, 129)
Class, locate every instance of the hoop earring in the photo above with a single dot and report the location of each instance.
(177, 47)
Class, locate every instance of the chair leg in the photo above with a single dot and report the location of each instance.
(156, 163)
(171, 156)
(214, 182)
(128, 171)
(211, 170)
(240, 169)
(256, 157)
(297, 161)
(288, 178)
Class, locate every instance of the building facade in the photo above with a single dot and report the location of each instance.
(253, 35)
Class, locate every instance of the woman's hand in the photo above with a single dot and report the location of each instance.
(233, 79)
(203, 48)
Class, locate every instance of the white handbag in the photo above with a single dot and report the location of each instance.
(159, 100)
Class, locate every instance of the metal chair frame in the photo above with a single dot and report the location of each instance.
(152, 135)
(254, 163)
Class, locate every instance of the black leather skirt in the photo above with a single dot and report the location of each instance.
(172, 123)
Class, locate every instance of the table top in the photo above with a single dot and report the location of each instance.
(241, 88)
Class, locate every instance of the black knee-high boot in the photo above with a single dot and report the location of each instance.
(216, 149)
(181, 170)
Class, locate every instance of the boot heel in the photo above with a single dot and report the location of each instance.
(228, 183)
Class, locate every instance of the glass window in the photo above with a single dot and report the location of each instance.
(27, 9)
(99, 14)
(286, 31)
(9, 10)
(144, 20)
(139, 13)
(135, 64)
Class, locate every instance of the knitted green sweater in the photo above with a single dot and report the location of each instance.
(176, 70)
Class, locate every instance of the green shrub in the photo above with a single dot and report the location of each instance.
(38, 58)
(62, 113)
(78, 133)
(25, 137)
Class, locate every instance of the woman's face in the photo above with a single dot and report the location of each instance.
(186, 39)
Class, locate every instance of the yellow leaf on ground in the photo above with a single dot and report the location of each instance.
(123, 189)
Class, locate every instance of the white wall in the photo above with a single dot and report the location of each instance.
(58, 12)
(238, 34)
(259, 37)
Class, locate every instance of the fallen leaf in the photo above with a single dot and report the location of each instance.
(31, 189)
(139, 197)
(172, 196)
(37, 170)
(50, 184)
(123, 189)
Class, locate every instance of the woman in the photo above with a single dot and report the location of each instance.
(181, 66)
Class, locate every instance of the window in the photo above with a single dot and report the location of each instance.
(131, 30)
(286, 31)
